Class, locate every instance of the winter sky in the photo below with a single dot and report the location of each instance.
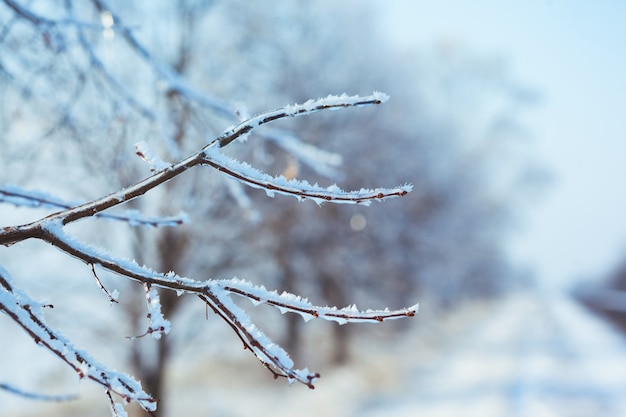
(573, 53)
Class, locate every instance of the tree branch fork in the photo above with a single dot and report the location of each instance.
(215, 293)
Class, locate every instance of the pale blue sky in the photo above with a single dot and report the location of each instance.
(574, 54)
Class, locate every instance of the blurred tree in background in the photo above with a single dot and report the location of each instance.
(79, 90)
(606, 297)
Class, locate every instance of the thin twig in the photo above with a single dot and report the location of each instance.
(108, 294)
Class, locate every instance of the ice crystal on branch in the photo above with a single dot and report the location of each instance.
(29, 315)
(302, 190)
(158, 324)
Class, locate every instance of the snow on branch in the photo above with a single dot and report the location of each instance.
(302, 190)
(207, 155)
(271, 355)
(158, 324)
(143, 151)
(286, 302)
(29, 315)
(299, 189)
(216, 294)
(331, 102)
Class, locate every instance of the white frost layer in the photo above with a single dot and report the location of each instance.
(302, 190)
(29, 314)
(287, 302)
(156, 164)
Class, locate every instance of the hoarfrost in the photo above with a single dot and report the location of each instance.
(301, 189)
(158, 323)
(144, 152)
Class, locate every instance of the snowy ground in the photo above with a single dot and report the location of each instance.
(529, 356)
(526, 355)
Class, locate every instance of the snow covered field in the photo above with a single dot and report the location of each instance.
(525, 355)
(528, 356)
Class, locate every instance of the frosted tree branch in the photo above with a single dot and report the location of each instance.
(312, 106)
(158, 324)
(208, 156)
(318, 159)
(216, 293)
(286, 302)
(29, 315)
(302, 190)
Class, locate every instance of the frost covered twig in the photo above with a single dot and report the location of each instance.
(158, 325)
(210, 157)
(214, 292)
(28, 314)
(300, 189)
(312, 106)
(286, 302)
